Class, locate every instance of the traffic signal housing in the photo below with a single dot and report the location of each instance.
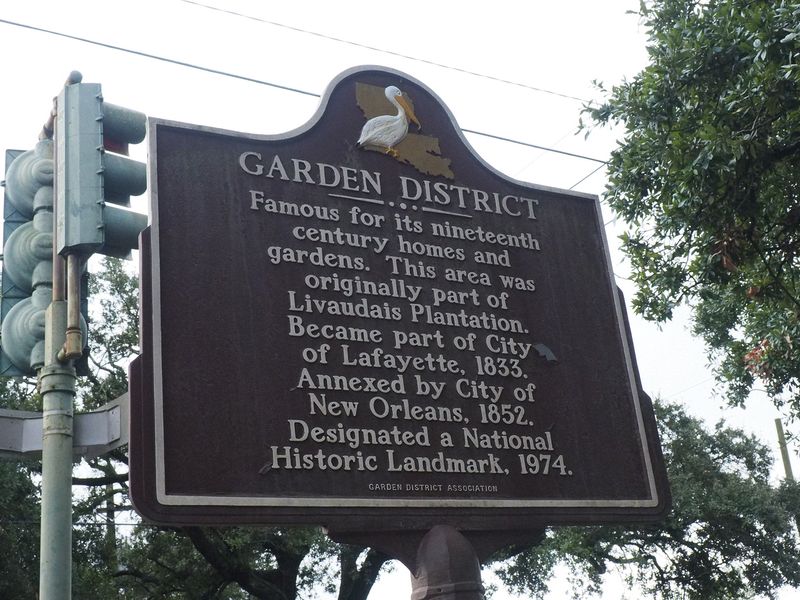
(90, 135)
(27, 258)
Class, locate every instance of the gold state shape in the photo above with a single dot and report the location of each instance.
(420, 151)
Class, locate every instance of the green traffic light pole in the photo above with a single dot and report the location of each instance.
(57, 386)
(86, 178)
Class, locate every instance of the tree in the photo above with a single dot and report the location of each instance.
(19, 536)
(707, 179)
(729, 536)
(153, 562)
(725, 514)
(730, 533)
(230, 563)
(19, 507)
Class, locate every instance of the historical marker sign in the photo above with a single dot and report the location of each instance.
(362, 322)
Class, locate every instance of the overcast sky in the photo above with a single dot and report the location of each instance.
(519, 70)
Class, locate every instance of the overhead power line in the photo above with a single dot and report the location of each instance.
(262, 82)
(389, 52)
(580, 181)
(38, 522)
(160, 58)
(513, 141)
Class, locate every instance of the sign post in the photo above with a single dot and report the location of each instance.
(361, 324)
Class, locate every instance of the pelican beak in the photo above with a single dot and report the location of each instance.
(409, 111)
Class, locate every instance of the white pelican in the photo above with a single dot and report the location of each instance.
(386, 131)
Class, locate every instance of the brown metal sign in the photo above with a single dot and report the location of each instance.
(362, 322)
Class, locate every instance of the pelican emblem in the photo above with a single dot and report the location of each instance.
(386, 131)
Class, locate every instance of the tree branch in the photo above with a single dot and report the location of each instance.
(263, 585)
(355, 582)
(97, 481)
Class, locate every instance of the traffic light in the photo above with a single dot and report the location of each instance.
(90, 135)
(89, 174)
(27, 258)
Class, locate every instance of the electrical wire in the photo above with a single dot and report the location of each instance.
(529, 145)
(691, 387)
(389, 52)
(160, 58)
(574, 185)
(538, 157)
(78, 523)
(260, 81)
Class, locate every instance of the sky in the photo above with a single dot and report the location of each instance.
(510, 69)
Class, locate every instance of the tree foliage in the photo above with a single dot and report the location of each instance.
(19, 535)
(729, 536)
(707, 177)
(730, 532)
(148, 561)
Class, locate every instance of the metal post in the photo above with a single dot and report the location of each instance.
(57, 385)
(447, 567)
(787, 465)
(74, 342)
